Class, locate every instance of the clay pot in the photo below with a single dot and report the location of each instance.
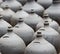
(33, 19)
(54, 11)
(31, 4)
(7, 14)
(24, 31)
(10, 43)
(13, 4)
(19, 14)
(40, 46)
(50, 35)
(52, 23)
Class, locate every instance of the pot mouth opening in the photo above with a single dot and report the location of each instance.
(45, 16)
(20, 20)
(6, 7)
(9, 29)
(20, 8)
(39, 34)
(46, 23)
(32, 11)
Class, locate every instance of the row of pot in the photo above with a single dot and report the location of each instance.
(12, 18)
(10, 43)
(39, 9)
(25, 32)
(45, 3)
(29, 25)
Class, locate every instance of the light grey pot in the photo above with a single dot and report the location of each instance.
(31, 4)
(7, 14)
(19, 14)
(10, 43)
(33, 19)
(50, 35)
(13, 4)
(40, 46)
(54, 11)
(24, 31)
(52, 23)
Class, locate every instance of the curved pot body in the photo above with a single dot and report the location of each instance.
(10, 43)
(1, 10)
(33, 19)
(19, 14)
(31, 4)
(3, 27)
(52, 24)
(45, 3)
(40, 46)
(51, 35)
(22, 1)
(7, 14)
(13, 4)
(24, 31)
(54, 11)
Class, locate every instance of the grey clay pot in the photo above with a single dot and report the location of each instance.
(13, 4)
(50, 35)
(7, 14)
(31, 4)
(54, 11)
(33, 19)
(40, 46)
(10, 43)
(24, 31)
(19, 14)
(52, 23)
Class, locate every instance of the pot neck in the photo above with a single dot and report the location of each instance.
(46, 24)
(30, 0)
(39, 34)
(46, 17)
(10, 30)
(20, 9)
(20, 20)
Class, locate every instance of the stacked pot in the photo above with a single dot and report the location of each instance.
(29, 26)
